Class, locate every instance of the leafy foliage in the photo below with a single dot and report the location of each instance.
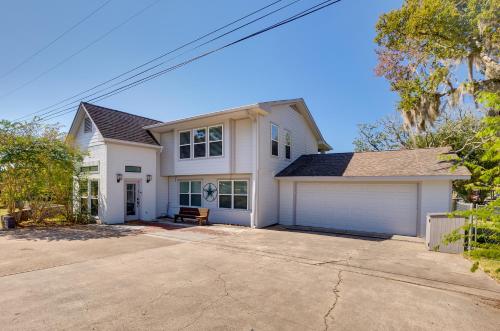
(37, 167)
(426, 45)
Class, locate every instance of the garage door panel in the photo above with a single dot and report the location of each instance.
(385, 208)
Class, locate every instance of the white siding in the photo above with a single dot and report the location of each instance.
(167, 155)
(217, 215)
(303, 142)
(119, 156)
(287, 202)
(87, 139)
(243, 146)
(435, 197)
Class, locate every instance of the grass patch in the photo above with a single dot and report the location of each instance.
(491, 266)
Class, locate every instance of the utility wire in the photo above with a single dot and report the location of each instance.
(170, 59)
(29, 58)
(290, 19)
(107, 33)
(149, 62)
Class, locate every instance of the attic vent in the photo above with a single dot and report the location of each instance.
(87, 125)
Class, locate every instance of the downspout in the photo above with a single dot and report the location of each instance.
(255, 171)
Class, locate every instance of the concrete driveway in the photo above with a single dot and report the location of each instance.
(234, 278)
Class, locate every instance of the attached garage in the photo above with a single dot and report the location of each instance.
(383, 192)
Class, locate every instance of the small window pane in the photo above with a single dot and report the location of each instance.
(215, 133)
(185, 138)
(287, 152)
(240, 187)
(216, 148)
(240, 202)
(274, 147)
(94, 188)
(225, 187)
(274, 132)
(196, 187)
(224, 201)
(83, 185)
(132, 169)
(184, 199)
(84, 205)
(94, 207)
(199, 135)
(184, 187)
(200, 150)
(196, 200)
(185, 152)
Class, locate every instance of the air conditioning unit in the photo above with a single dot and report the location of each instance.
(439, 225)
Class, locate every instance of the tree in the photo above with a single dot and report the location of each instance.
(424, 47)
(37, 167)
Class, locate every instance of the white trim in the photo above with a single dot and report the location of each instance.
(190, 193)
(232, 194)
(131, 143)
(190, 145)
(215, 141)
(370, 178)
(205, 142)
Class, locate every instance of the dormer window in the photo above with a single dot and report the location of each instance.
(87, 125)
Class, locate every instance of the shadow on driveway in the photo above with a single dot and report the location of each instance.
(70, 233)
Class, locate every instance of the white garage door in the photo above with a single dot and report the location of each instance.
(383, 208)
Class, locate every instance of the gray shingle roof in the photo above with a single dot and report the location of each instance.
(115, 124)
(416, 162)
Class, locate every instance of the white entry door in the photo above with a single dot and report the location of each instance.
(369, 207)
(132, 202)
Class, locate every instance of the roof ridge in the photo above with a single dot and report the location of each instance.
(120, 111)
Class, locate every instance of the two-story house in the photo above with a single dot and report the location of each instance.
(254, 165)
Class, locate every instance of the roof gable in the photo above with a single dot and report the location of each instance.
(115, 124)
(401, 163)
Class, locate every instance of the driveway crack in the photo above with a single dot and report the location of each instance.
(335, 291)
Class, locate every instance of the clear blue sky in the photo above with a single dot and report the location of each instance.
(326, 58)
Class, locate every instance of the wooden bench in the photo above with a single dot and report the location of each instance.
(199, 214)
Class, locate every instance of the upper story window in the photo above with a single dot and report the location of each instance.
(288, 145)
(215, 140)
(274, 140)
(185, 144)
(87, 125)
(133, 169)
(206, 141)
(200, 142)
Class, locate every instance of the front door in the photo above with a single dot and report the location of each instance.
(131, 202)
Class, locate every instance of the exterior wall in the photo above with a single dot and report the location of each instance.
(161, 190)
(88, 139)
(303, 142)
(114, 198)
(217, 215)
(243, 145)
(434, 197)
(287, 202)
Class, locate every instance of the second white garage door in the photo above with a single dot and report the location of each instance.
(383, 208)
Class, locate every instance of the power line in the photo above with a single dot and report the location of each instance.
(290, 19)
(81, 49)
(172, 58)
(74, 26)
(159, 57)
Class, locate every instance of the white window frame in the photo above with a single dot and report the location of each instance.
(89, 197)
(288, 143)
(277, 141)
(205, 142)
(87, 128)
(215, 141)
(190, 193)
(232, 193)
(190, 144)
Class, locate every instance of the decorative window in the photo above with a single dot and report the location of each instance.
(133, 169)
(190, 193)
(274, 140)
(87, 125)
(288, 145)
(89, 196)
(185, 145)
(215, 139)
(200, 142)
(90, 169)
(233, 194)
